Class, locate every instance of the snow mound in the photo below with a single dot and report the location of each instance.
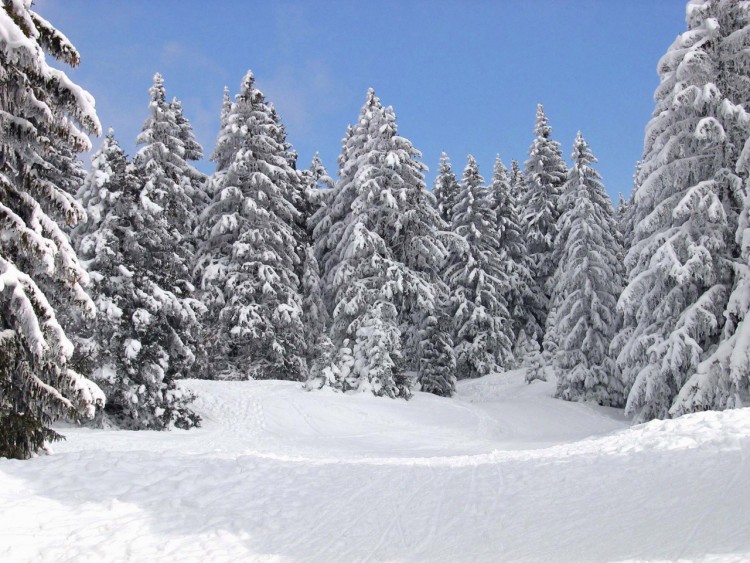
(500, 472)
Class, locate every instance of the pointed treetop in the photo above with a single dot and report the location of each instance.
(157, 89)
(226, 102)
(541, 127)
(247, 86)
(581, 151)
(472, 168)
(500, 171)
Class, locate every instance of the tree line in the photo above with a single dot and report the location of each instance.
(117, 282)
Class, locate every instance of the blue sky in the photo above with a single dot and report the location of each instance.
(463, 77)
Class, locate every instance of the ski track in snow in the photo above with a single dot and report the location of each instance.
(500, 472)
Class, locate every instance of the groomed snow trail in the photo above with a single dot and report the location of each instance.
(501, 472)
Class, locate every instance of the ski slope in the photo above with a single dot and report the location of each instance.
(501, 472)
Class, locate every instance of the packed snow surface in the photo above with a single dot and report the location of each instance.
(500, 472)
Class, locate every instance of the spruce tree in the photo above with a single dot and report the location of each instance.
(689, 192)
(522, 294)
(173, 192)
(381, 248)
(478, 282)
(437, 367)
(328, 224)
(45, 121)
(249, 259)
(533, 361)
(319, 185)
(515, 178)
(722, 379)
(587, 285)
(446, 190)
(169, 181)
(136, 348)
(544, 176)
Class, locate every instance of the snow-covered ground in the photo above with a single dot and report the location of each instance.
(501, 472)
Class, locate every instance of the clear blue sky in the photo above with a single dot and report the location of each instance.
(464, 77)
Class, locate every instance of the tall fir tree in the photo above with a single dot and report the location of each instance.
(172, 190)
(446, 190)
(689, 193)
(319, 186)
(722, 379)
(544, 175)
(45, 120)
(521, 297)
(135, 349)
(328, 224)
(170, 181)
(478, 281)
(249, 260)
(588, 282)
(515, 177)
(381, 248)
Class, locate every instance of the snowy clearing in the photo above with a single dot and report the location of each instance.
(501, 472)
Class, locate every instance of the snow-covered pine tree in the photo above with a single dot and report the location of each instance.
(174, 193)
(329, 223)
(437, 368)
(365, 279)
(533, 362)
(544, 176)
(316, 315)
(588, 282)
(446, 190)
(135, 348)
(478, 281)
(44, 116)
(515, 177)
(222, 153)
(416, 236)
(169, 180)
(381, 249)
(316, 185)
(248, 262)
(319, 185)
(521, 297)
(722, 379)
(193, 151)
(687, 201)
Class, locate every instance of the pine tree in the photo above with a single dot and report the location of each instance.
(45, 116)
(366, 279)
(687, 201)
(437, 366)
(316, 315)
(722, 379)
(532, 358)
(169, 181)
(249, 259)
(521, 296)
(515, 178)
(223, 152)
(587, 285)
(319, 185)
(328, 224)
(135, 348)
(380, 242)
(544, 176)
(446, 190)
(478, 282)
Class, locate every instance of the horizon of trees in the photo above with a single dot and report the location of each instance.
(370, 282)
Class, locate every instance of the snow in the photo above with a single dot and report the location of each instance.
(500, 472)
